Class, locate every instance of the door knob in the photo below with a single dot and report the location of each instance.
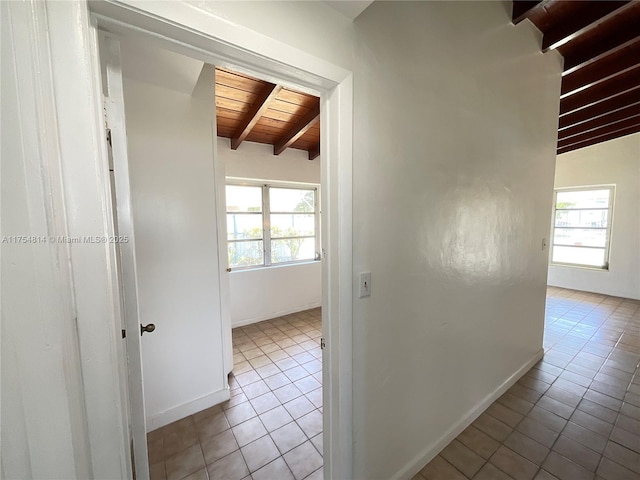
(147, 328)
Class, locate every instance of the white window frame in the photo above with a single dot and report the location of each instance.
(266, 221)
(607, 246)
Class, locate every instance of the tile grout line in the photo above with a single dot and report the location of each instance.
(307, 328)
(601, 455)
(582, 397)
(269, 434)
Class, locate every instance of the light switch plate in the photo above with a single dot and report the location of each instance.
(365, 284)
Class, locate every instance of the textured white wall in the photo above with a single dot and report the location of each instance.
(313, 27)
(172, 192)
(59, 418)
(455, 129)
(263, 293)
(614, 162)
(37, 370)
(454, 149)
(256, 160)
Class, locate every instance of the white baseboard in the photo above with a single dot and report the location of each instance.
(615, 292)
(181, 411)
(424, 457)
(269, 316)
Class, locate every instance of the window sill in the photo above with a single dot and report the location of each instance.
(271, 267)
(583, 267)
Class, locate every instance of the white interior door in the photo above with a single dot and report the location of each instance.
(125, 244)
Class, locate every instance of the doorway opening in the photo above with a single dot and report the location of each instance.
(273, 214)
(199, 256)
(179, 29)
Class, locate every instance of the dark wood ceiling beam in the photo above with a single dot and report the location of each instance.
(601, 121)
(602, 91)
(261, 104)
(599, 132)
(594, 15)
(600, 139)
(523, 9)
(314, 152)
(601, 108)
(299, 129)
(611, 36)
(610, 65)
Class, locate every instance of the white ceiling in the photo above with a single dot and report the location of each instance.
(350, 8)
(146, 63)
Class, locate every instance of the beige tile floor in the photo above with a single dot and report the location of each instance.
(575, 415)
(271, 428)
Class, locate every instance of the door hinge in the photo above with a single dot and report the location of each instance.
(124, 333)
(322, 344)
(105, 112)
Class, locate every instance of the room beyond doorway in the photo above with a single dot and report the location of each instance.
(272, 425)
(334, 86)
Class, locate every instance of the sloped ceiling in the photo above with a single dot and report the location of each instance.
(350, 9)
(253, 110)
(600, 43)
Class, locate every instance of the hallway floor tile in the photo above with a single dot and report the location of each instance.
(575, 415)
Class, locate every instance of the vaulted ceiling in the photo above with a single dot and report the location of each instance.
(600, 43)
(600, 93)
(252, 110)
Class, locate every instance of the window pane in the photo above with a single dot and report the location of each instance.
(241, 226)
(292, 225)
(583, 199)
(291, 200)
(244, 199)
(582, 218)
(580, 237)
(292, 249)
(593, 257)
(242, 254)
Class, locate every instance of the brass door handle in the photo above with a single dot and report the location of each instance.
(147, 328)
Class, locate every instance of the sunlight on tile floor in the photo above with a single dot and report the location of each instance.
(575, 415)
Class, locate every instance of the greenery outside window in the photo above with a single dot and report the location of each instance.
(272, 224)
(582, 226)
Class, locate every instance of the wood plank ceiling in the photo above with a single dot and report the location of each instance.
(600, 43)
(252, 110)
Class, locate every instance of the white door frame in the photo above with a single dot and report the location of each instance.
(180, 28)
(61, 121)
(127, 271)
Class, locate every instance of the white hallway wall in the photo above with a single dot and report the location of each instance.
(170, 146)
(259, 294)
(51, 304)
(452, 191)
(40, 369)
(451, 186)
(614, 162)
